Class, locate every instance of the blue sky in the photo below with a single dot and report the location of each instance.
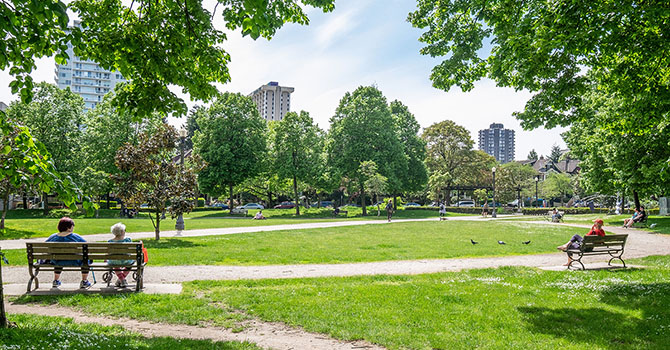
(362, 42)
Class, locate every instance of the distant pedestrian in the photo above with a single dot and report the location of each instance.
(389, 210)
(592, 206)
(485, 209)
(443, 211)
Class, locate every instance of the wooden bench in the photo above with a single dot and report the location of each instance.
(239, 211)
(612, 245)
(93, 256)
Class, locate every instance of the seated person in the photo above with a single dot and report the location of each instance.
(66, 234)
(627, 223)
(336, 211)
(576, 241)
(259, 216)
(556, 216)
(642, 216)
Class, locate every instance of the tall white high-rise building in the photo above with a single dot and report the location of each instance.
(86, 78)
(273, 101)
(498, 142)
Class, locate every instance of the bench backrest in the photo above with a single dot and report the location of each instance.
(84, 251)
(609, 241)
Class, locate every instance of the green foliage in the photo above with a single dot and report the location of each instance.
(555, 155)
(532, 155)
(451, 159)
(153, 43)
(362, 129)
(297, 149)
(414, 148)
(560, 50)
(231, 141)
(55, 117)
(512, 177)
(558, 185)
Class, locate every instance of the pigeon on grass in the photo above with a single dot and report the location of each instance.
(473, 242)
(526, 242)
(501, 242)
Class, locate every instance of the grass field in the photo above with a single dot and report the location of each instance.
(31, 223)
(377, 242)
(505, 308)
(56, 333)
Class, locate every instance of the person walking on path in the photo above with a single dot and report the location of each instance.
(66, 234)
(485, 209)
(576, 241)
(443, 211)
(389, 210)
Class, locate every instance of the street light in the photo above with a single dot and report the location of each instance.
(537, 178)
(493, 214)
(179, 225)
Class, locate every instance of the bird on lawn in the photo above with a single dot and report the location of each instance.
(526, 242)
(501, 242)
(473, 242)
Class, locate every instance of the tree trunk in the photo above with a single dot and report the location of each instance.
(636, 198)
(230, 189)
(45, 200)
(295, 195)
(318, 197)
(377, 201)
(25, 201)
(5, 206)
(365, 212)
(158, 225)
(109, 195)
(3, 316)
(395, 202)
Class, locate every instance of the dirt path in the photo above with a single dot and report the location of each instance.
(269, 335)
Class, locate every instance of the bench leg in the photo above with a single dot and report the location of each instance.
(107, 277)
(578, 260)
(33, 277)
(616, 257)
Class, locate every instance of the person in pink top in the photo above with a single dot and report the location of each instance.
(576, 241)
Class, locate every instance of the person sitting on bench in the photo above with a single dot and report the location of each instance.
(642, 216)
(66, 234)
(556, 216)
(628, 223)
(576, 241)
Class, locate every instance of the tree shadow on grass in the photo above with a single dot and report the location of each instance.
(611, 329)
(10, 233)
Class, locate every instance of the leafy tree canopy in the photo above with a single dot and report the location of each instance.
(532, 155)
(557, 49)
(154, 43)
(414, 147)
(555, 155)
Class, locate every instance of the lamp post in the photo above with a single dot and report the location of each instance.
(179, 225)
(537, 178)
(493, 214)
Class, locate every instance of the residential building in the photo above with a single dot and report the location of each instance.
(498, 142)
(273, 101)
(3, 106)
(86, 78)
(544, 166)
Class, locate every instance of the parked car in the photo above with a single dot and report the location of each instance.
(323, 204)
(251, 206)
(412, 204)
(285, 205)
(220, 206)
(466, 203)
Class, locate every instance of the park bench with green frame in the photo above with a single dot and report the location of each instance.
(93, 256)
(612, 245)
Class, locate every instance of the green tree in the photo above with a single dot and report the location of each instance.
(297, 148)
(558, 185)
(149, 175)
(414, 148)
(555, 155)
(375, 182)
(25, 161)
(95, 182)
(559, 50)
(55, 117)
(449, 156)
(532, 155)
(362, 129)
(232, 143)
(153, 43)
(514, 179)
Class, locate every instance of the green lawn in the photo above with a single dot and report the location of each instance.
(505, 308)
(31, 223)
(377, 242)
(40, 332)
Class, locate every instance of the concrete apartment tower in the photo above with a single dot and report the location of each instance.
(86, 78)
(498, 142)
(273, 101)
